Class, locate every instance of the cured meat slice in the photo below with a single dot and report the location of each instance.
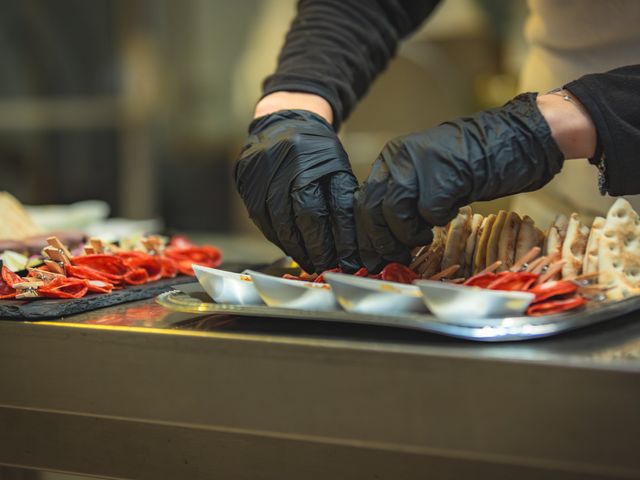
(136, 276)
(111, 266)
(6, 290)
(185, 257)
(150, 263)
(169, 268)
(64, 288)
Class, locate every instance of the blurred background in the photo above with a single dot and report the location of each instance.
(144, 104)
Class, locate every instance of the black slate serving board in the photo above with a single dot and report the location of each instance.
(56, 308)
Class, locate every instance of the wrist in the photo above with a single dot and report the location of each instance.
(294, 101)
(570, 124)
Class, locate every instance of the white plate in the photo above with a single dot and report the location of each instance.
(377, 297)
(282, 292)
(227, 287)
(456, 302)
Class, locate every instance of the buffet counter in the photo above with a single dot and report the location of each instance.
(136, 391)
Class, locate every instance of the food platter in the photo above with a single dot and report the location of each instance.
(479, 329)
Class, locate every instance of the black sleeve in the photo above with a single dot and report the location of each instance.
(613, 101)
(335, 48)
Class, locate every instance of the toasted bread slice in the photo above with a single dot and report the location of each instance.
(574, 247)
(494, 238)
(480, 254)
(619, 251)
(555, 238)
(590, 262)
(507, 240)
(470, 247)
(529, 236)
(457, 238)
(428, 263)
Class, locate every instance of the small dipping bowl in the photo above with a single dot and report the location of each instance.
(460, 303)
(228, 287)
(286, 293)
(372, 296)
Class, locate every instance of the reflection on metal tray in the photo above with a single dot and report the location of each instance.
(487, 330)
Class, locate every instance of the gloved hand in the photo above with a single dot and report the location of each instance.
(422, 179)
(297, 184)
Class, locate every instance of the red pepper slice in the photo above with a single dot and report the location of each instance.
(396, 272)
(64, 288)
(552, 289)
(514, 281)
(556, 306)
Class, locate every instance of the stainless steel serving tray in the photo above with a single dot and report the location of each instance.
(485, 330)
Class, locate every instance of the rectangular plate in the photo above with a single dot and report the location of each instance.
(42, 309)
(487, 330)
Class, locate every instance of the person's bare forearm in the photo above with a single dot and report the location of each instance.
(570, 124)
(294, 101)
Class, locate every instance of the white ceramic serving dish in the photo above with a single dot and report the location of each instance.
(377, 297)
(228, 287)
(458, 302)
(286, 293)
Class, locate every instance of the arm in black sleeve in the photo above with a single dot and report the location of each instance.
(613, 102)
(336, 48)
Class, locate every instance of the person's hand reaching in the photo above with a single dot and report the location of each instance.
(298, 187)
(422, 179)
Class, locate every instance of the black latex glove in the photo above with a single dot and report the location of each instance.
(422, 179)
(297, 184)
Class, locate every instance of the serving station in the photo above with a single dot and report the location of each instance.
(221, 396)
